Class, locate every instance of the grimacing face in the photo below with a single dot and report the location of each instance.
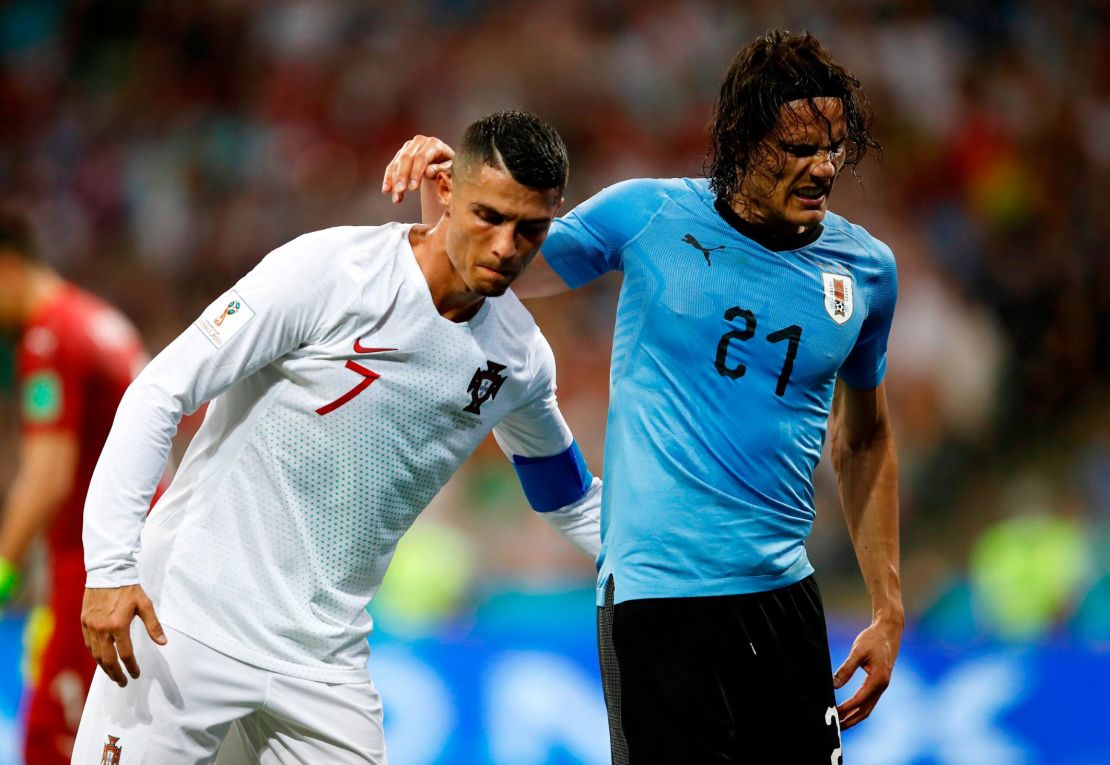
(495, 227)
(787, 187)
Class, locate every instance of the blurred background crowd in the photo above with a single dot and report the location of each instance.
(161, 148)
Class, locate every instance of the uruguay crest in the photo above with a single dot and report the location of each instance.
(838, 296)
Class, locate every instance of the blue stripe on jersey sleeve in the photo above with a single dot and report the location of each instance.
(553, 482)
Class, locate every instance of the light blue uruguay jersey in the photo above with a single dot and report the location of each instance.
(724, 359)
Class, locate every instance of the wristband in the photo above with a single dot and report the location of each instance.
(9, 580)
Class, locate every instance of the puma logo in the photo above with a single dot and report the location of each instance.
(690, 240)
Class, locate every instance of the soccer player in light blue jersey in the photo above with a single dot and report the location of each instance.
(747, 315)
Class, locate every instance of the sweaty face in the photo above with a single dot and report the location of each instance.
(496, 227)
(792, 173)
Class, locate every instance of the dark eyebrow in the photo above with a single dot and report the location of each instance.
(478, 207)
(803, 149)
(807, 144)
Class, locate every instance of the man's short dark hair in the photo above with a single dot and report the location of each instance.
(773, 70)
(521, 144)
(16, 236)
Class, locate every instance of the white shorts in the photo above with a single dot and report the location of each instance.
(189, 697)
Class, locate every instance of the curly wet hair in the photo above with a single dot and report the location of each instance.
(775, 69)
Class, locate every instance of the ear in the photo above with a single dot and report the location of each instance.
(444, 186)
(560, 205)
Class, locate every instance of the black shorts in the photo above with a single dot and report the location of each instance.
(729, 679)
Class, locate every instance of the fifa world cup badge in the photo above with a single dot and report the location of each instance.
(112, 753)
(224, 318)
(231, 310)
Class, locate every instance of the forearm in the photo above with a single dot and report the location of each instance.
(47, 466)
(538, 280)
(188, 372)
(580, 521)
(430, 208)
(29, 509)
(867, 476)
(124, 481)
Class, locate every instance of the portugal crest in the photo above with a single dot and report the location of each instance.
(838, 296)
(484, 385)
(112, 752)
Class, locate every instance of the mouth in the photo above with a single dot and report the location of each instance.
(811, 196)
(500, 274)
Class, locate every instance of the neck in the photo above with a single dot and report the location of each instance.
(775, 239)
(754, 216)
(452, 298)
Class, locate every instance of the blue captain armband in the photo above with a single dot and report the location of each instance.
(553, 482)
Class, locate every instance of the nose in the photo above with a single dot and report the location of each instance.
(824, 166)
(504, 244)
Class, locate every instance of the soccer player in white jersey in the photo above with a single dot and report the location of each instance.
(350, 374)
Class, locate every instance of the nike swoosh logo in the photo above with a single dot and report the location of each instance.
(360, 348)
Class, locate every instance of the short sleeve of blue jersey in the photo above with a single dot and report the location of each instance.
(865, 366)
(589, 240)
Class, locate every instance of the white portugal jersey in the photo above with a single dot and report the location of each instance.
(342, 401)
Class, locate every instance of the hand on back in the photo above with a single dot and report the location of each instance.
(106, 616)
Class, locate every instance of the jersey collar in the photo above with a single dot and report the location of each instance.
(759, 235)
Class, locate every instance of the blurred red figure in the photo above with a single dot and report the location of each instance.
(75, 358)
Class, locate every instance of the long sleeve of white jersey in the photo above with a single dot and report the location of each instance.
(282, 303)
(537, 440)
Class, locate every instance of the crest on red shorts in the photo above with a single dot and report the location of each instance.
(112, 753)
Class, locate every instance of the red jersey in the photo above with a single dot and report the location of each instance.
(77, 355)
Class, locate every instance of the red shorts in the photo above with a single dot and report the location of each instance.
(55, 701)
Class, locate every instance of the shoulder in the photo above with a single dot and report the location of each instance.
(620, 213)
(328, 259)
(858, 239)
(514, 319)
(855, 244)
(107, 327)
(516, 322)
(344, 243)
(76, 324)
(648, 193)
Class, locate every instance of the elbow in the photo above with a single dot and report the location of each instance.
(53, 490)
(846, 448)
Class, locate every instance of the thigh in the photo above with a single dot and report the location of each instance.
(733, 679)
(795, 714)
(178, 710)
(677, 660)
(308, 721)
